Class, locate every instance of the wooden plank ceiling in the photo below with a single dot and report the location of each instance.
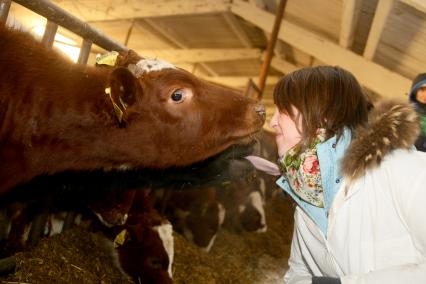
(383, 42)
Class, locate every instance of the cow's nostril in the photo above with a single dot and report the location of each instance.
(260, 109)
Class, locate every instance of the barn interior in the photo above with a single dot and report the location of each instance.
(247, 45)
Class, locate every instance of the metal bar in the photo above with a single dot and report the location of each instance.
(4, 10)
(84, 51)
(271, 45)
(49, 34)
(63, 18)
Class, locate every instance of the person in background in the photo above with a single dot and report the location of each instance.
(417, 96)
(358, 183)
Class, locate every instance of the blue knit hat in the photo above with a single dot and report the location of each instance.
(419, 81)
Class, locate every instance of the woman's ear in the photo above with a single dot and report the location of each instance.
(122, 91)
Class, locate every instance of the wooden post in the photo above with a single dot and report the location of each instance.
(4, 10)
(271, 45)
(251, 91)
(383, 10)
(129, 32)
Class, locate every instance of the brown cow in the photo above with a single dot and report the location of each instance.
(57, 116)
(145, 252)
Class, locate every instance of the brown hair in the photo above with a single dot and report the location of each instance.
(326, 97)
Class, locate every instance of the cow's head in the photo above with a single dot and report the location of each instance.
(145, 252)
(203, 223)
(169, 117)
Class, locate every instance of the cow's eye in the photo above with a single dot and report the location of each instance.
(178, 96)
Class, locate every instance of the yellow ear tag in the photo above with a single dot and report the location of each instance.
(120, 239)
(117, 110)
(109, 58)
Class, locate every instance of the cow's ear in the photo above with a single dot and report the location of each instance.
(125, 58)
(122, 91)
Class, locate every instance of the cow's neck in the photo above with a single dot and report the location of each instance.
(85, 126)
(51, 131)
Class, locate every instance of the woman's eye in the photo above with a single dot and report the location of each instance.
(177, 96)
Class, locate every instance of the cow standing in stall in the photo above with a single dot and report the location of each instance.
(56, 116)
(194, 212)
(142, 238)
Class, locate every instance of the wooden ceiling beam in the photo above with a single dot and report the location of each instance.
(350, 17)
(382, 13)
(283, 66)
(237, 28)
(201, 55)
(372, 75)
(178, 42)
(238, 81)
(417, 4)
(128, 9)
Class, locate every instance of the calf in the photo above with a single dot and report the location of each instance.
(245, 198)
(195, 213)
(57, 116)
(145, 243)
(244, 202)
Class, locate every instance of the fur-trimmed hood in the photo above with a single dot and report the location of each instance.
(391, 125)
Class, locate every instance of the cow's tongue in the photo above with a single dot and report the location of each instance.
(264, 165)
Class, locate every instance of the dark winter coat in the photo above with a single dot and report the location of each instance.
(419, 81)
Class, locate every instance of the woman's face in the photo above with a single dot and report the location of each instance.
(421, 94)
(287, 134)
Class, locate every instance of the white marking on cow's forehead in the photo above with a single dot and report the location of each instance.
(166, 235)
(147, 65)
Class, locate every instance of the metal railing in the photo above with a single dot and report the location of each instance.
(57, 16)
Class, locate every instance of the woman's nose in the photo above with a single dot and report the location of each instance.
(274, 120)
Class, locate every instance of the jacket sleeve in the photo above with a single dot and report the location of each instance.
(298, 272)
(409, 195)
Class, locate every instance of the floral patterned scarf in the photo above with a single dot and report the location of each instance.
(303, 172)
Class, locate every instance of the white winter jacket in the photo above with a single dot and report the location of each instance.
(376, 225)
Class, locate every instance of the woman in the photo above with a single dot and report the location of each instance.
(359, 184)
(417, 97)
